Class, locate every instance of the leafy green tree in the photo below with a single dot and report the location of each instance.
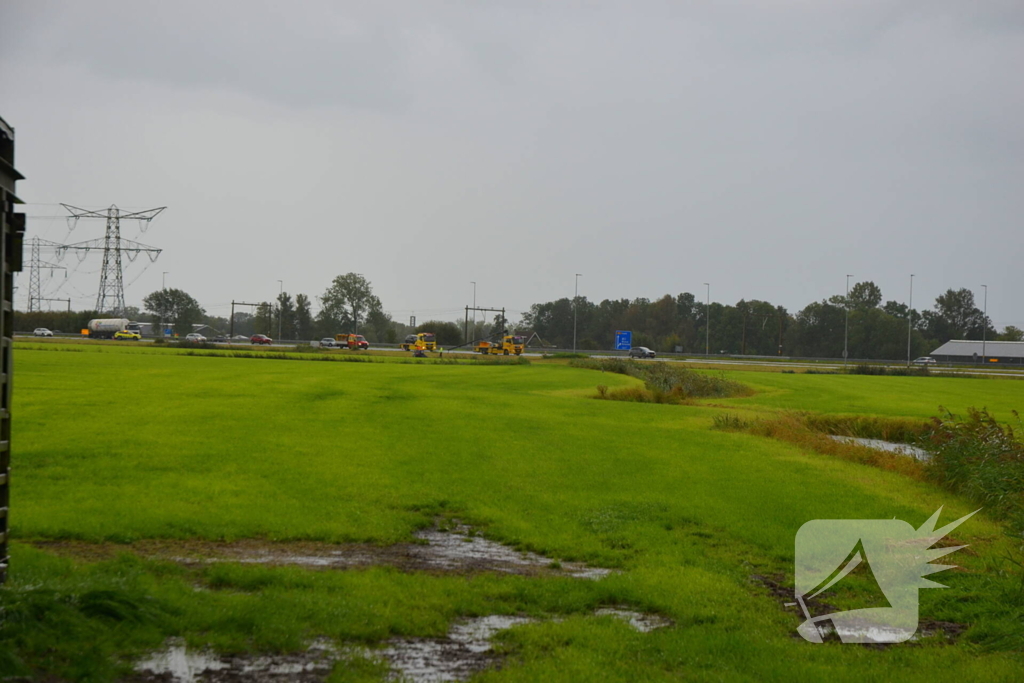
(759, 333)
(176, 307)
(446, 334)
(380, 327)
(956, 317)
(245, 324)
(286, 315)
(56, 321)
(303, 317)
(1011, 333)
(348, 301)
(865, 295)
(264, 320)
(552, 321)
(132, 313)
(818, 330)
(900, 310)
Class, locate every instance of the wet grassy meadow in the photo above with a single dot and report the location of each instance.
(121, 446)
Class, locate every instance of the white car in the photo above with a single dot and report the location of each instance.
(41, 332)
(327, 343)
(925, 360)
(195, 338)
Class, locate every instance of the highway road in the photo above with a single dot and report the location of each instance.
(725, 363)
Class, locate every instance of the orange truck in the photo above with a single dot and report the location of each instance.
(356, 342)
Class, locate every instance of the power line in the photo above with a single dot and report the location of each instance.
(35, 265)
(111, 292)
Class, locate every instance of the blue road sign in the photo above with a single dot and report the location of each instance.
(623, 340)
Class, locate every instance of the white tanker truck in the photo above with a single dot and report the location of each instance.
(105, 328)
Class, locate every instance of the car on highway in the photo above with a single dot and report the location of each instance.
(41, 332)
(195, 338)
(641, 352)
(260, 339)
(328, 343)
(925, 360)
(127, 334)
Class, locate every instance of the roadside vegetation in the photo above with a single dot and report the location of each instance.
(662, 382)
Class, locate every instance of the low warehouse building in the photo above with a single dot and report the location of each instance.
(963, 351)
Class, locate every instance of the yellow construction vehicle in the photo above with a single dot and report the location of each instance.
(508, 345)
(422, 341)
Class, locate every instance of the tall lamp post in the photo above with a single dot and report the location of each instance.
(984, 326)
(163, 288)
(575, 305)
(910, 317)
(707, 322)
(474, 309)
(846, 333)
(280, 311)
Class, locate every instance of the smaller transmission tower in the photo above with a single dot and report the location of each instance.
(35, 264)
(111, 295)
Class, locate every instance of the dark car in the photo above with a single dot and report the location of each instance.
(260, 339)
(641, 352)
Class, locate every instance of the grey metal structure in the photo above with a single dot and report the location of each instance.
(990, 353)
(12, 225)
(110, 298)
(35, 264)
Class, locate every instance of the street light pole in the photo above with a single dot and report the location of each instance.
(910, 317)
(280, 311)
(984, 326)
(474, 309)
(163, 288)
(707, 323)
(575, 305)
(846, 333)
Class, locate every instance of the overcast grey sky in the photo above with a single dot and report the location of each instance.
(767, 147)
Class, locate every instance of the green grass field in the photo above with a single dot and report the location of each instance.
(123, 444)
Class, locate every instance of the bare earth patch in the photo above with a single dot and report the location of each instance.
(457, 551)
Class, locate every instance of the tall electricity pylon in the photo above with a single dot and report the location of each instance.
(111, 295)
(35, 264)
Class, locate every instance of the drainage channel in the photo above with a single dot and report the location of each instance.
(888, 446)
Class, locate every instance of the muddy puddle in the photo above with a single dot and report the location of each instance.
(467, 647)
(456, 551)
(465, 650)
(888, 446)
(177, 664)
(460, 550)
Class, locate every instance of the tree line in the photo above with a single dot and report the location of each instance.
(347, 305)
(877, 330)
(753, 327)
